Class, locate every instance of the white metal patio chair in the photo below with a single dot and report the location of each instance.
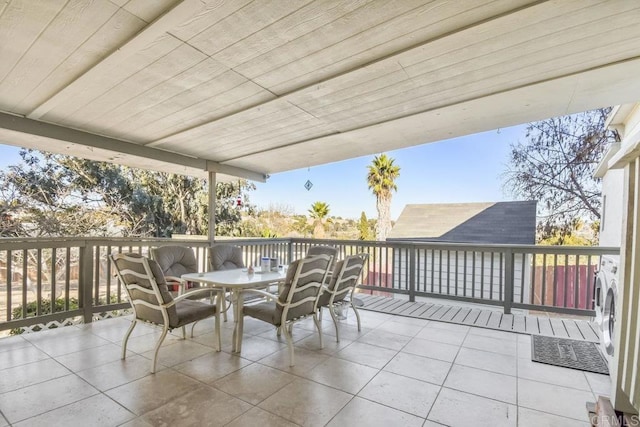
(297, 301)
(152, 302)
(342, 283)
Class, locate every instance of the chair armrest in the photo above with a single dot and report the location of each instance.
(265, 294)
(189, 294)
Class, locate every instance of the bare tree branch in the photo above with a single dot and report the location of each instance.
(555, 166)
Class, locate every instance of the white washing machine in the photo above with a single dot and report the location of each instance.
(606, 300)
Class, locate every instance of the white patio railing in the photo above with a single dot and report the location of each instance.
(67, 280)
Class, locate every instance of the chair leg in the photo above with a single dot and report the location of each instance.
(355, 310)
(193, 326)
(318, 325)
(335, 321)
(278, 332)
(217, 326)
(287, 335)
(126, 338)
(184, 333)
(165, 329)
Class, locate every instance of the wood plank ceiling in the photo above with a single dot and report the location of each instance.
(250, 88)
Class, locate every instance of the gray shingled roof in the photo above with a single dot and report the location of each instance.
(499, 223)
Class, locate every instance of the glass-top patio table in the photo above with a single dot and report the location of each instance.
(236, 280)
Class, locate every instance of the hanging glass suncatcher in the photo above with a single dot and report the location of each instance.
(308, 185)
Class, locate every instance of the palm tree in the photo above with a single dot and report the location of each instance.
(381, 179)
(319, 212)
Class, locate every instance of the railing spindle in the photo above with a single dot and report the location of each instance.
(67, 278)
(523, 258)
(576, 285)
(25, 279)
(491, 276)
(503, 267)
(39, 281)
(448, 271)
(544, 279)
(473, 274)
(10, 284)
(53, 279)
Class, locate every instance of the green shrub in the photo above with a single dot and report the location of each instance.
(45, 308)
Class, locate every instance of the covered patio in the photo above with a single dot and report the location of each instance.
(424, 356)
(396, 371)
(228, 89)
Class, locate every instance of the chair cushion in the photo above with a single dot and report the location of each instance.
(341, 280)
(291, 272)
(324, 250)
(265, 311)
(325, 297)
(225, 257)
(175, 260)
(307, 307)
(189, 311)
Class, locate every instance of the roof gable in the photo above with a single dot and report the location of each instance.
(489, 223)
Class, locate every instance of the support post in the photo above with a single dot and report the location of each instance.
(290, 252)
(412, 274)
(85, 285)
(625, 380)
(508, 281)
(212, 207)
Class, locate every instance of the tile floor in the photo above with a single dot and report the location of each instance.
(397, 371)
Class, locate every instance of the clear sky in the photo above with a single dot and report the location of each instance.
(465, 169)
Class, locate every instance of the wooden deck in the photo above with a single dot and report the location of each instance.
(484, 318)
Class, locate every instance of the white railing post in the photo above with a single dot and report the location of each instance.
(290, 252)
(85, 281)
(412, 273)
(508, 281)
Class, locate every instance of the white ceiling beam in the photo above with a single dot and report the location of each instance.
(235, 171)
(290, 95)
(59, 133)
(595, 88)
(181, 12)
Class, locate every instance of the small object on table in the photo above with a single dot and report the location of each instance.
(265, 264)
(250, 270)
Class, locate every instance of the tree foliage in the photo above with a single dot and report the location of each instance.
(55, 195)
(301, 226)
(275, 221)
(363, 227)
(555, 166)
(381, 179)
(580, 235)
(228, 213)
(319, 213)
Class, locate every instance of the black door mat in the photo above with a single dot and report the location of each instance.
(581, 355)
